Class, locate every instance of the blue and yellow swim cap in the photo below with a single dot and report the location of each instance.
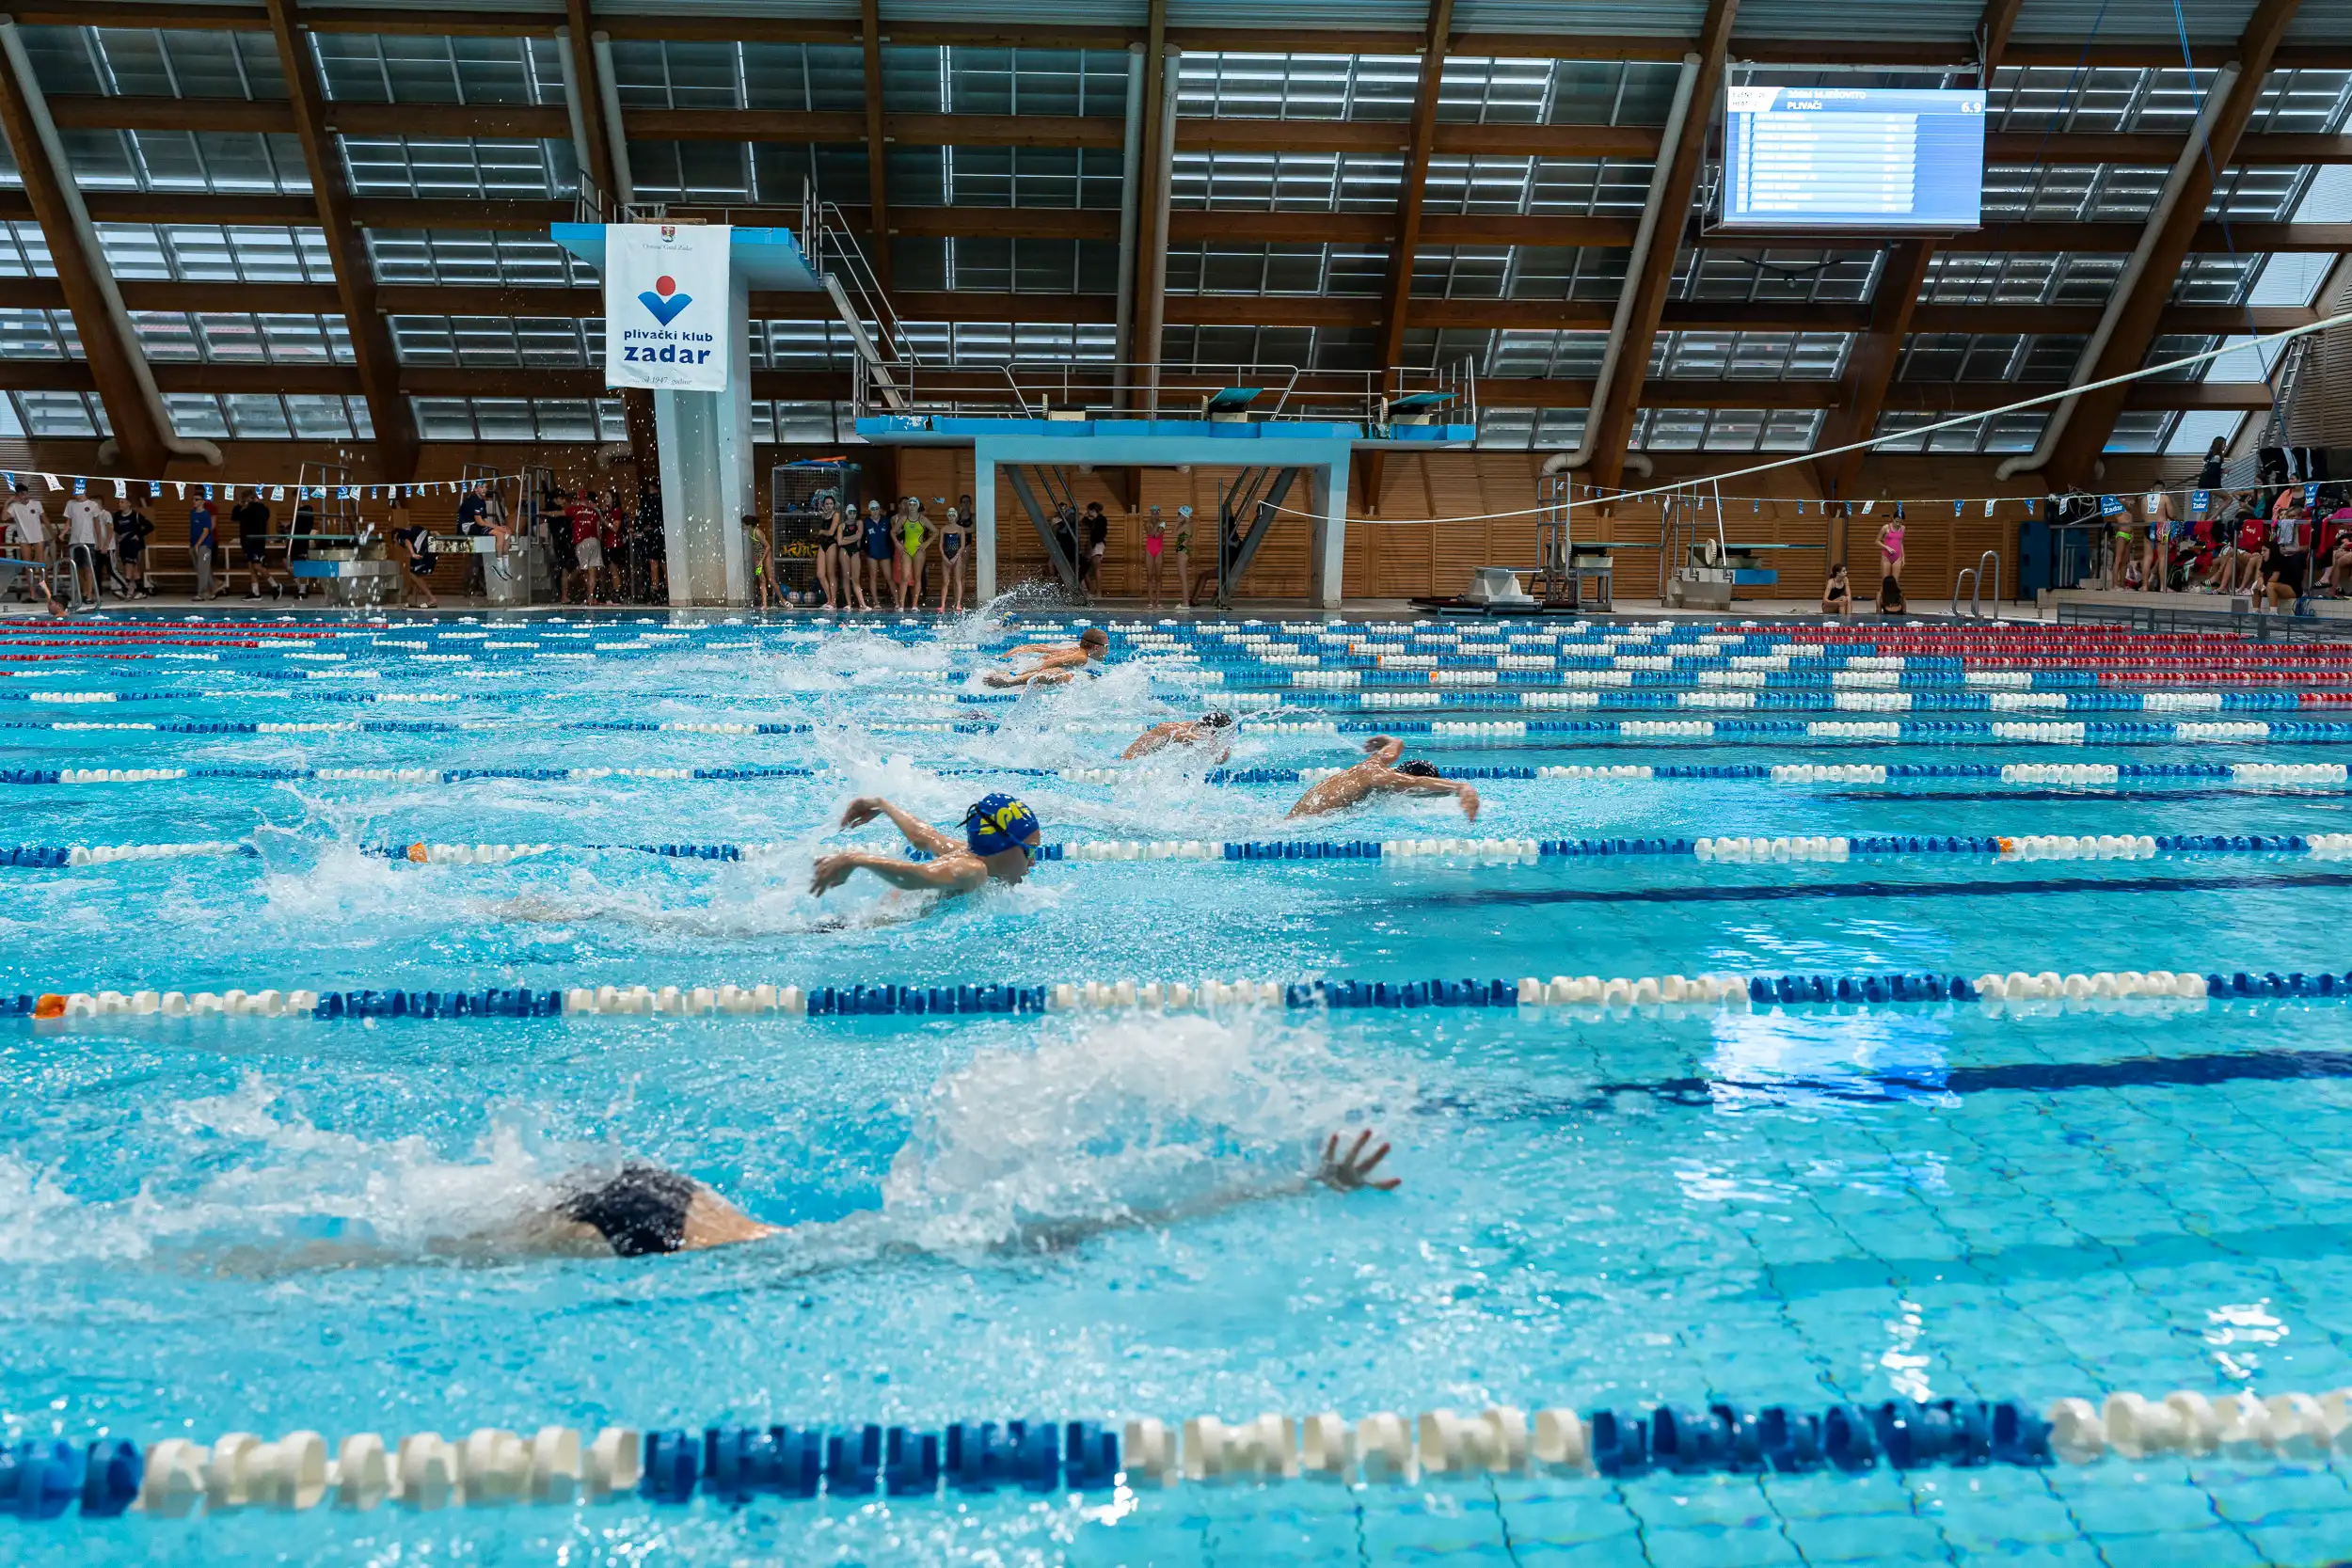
(996, 823)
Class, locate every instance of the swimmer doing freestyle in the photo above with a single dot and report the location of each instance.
(1000, 843)
(1380, 773)
(1213, 733)
(1062, 660)
(641, 1210)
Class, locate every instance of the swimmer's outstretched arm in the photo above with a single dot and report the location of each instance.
(917, 831)
(1346, 1172)
(1412, 783)
(956, 873)
(1154, 738)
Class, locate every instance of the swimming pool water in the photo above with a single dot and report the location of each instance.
(257, 1225)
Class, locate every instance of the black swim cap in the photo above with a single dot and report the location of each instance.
(1420, 769)
(1217, 720)
(639, 1210)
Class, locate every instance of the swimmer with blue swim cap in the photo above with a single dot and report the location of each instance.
(1001, 841)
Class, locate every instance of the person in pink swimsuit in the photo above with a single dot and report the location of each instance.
(1154, 549)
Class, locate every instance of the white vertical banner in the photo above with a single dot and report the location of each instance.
(666, 307)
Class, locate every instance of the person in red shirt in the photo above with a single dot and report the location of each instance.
(609, 543)
(587, 520)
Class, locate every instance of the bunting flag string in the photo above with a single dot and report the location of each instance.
(224, 490)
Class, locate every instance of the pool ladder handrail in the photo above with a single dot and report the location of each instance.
(1974, 578)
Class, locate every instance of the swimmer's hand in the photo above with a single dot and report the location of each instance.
(1470, 802)
(1352, 1171)
(860, 812)
(834, 870)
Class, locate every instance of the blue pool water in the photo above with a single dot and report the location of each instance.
(262, 1225)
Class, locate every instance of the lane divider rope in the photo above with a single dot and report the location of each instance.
(559, 1466)
(1729, 992)
(1778, 850)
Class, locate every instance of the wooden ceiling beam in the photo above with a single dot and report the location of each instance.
(377, 366)
(1875, 356)
(1421, 135)
(2075, 458)
(1612, 433)
(112, 357)
(1270, 136)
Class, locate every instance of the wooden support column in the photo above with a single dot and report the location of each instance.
(1657, 269)
(1871, 365)
(1149, 308)
(2076, 461)
(577, 39)
(1422, 137)
(877, 158)
(355, 276)
(112, 356)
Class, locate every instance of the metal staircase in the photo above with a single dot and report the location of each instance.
(1244, 512)
(884, 353)
(1028, 484)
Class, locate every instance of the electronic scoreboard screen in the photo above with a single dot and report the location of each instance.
(1852, 158)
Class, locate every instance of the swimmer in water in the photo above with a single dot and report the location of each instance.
(1213, 733)
(643, 1209)
(1000, 842)
(1380, 773)
(1060, 663)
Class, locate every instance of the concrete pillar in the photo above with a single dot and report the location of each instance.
(706, 484)
(983, 524)
(1327, 556)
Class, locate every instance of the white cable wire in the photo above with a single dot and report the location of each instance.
(2058, 395)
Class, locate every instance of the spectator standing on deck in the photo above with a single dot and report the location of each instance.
(587, 530)
(1097, 528)
(955, 535)
(756, 559)
(110, 547)
(911, 535)
(133, 529)
(29, 536)
(85, 519)
(2216, 458)
(252, 516)
(202, 532)
(475, 515)
(2155, 560)
(879, 553)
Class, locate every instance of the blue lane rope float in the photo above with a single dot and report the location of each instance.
(43, 1480)
(1484, 852)
(1611, 995)
(723, 1465)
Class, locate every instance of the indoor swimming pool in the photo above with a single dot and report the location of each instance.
(1831, 1020)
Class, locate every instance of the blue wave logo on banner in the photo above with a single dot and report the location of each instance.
(662, 301)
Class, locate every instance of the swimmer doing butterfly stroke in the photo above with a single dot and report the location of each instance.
(1000, 844)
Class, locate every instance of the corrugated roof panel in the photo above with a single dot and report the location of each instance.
(1912, 21)
(1412, 15)
(1663, 18)
(2320, 22)
(2120, 20)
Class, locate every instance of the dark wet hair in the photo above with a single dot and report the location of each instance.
(1420, 769)
(641, 1210)
(1220, 719)
(1094, 637)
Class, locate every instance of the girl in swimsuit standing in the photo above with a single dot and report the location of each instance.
(1184, 555)
(1891, 549)
(951, 539)
(1154, 545)
(912, 540)
(827, 525)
